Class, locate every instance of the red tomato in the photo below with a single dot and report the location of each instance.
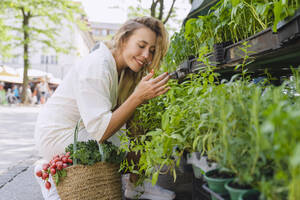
(48, 185)
(45, 166)
(45, 175)
(65, 165)
(53, 171)
(64, 159)
(70, 160)
(39, 173)
(59, 165)
(53, 166)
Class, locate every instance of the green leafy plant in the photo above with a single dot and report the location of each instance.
(88, 152)
(229, 20)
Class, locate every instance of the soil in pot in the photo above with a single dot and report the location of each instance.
(236, 190)
(216, 180)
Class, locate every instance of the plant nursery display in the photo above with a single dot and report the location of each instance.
(243, 124)
(251, 130)
(227, 22)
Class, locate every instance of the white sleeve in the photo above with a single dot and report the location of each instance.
(93, 101)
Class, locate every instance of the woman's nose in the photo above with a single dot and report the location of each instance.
(146, 56)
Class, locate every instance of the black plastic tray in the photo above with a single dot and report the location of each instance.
(289, 30)
(276, 52)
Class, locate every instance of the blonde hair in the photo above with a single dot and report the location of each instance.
(129, 79)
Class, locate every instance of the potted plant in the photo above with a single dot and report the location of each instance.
(250, 195)
(216, 180)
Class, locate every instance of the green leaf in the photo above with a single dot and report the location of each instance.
(174, 175)
(295, 158)
(154, 178)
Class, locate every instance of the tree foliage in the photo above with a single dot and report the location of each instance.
(164, 10)
(4, 42)
(157, 10)
(35, 23)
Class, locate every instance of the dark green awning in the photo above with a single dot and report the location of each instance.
(200, 7)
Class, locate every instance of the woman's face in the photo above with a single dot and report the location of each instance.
(139, 49)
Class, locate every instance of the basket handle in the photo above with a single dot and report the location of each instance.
(103, 157)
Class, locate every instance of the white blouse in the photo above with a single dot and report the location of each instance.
(89, 91)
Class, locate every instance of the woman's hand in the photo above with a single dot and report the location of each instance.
(149, 88)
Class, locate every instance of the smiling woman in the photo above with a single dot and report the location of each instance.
(139, 40)
(104, 90)
(138, 51)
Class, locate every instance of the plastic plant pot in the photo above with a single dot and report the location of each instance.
(197, 171)
(250, 195)
(216, 184)
(235, 193)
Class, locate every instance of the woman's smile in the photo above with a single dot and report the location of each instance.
(140, 62)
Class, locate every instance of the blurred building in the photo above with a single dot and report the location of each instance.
(103, 31)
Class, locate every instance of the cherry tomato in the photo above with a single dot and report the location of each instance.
(59, 165)
(64, 159)
(70, 160)
(53, 171)
(48, 185)
(39, 173)
(45, 175)
(53, 166)
(45, 166)
(65, 165)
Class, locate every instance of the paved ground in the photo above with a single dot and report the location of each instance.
(18, 155)
(16, 135)
(20, 183)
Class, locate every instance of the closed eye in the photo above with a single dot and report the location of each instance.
(152, 52)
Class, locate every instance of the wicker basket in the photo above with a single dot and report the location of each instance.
(100, 181)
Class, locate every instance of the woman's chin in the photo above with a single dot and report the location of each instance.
(135, 68)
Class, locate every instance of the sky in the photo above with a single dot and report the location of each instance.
(115, 11)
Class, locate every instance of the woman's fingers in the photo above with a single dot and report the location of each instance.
(160, 77)
(158, 90)
(163, 91)
(162, 82)
(149, 88)
(148, 76)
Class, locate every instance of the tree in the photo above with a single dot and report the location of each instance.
(33, 22)
(157, 10)
(4, 42)
(164, 10)
(154, 8)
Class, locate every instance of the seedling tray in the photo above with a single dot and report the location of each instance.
(274, 52)
(288, 31)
